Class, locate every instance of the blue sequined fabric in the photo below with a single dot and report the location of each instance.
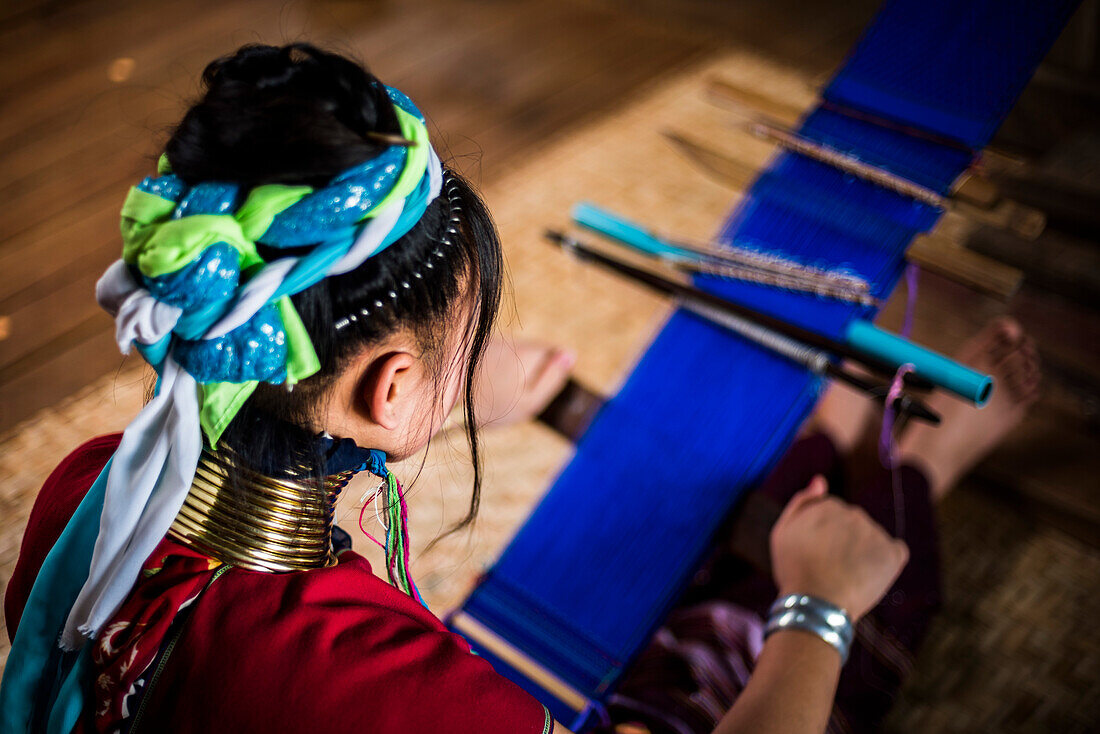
(169, 187)
(255, 350)
(342, 204)
(208, 198)
(210, 278)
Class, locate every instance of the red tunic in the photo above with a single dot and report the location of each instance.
(333, 649)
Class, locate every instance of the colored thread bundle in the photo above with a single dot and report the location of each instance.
(396, 523)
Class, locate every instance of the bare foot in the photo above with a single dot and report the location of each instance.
(967, 434)
(518, 379)
(842, 415)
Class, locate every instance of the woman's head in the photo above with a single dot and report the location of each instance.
(399, 337)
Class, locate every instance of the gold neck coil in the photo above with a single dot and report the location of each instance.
(262, 524)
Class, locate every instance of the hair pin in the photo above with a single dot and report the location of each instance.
(391, 139)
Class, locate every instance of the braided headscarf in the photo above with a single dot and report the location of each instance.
(214, 319)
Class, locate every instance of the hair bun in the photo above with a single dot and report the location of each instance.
(282, 114)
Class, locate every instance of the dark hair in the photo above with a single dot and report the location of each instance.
(296, 114)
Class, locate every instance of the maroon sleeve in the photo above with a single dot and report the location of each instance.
(333, 649)
(55, 504)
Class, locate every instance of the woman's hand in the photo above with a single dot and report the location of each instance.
(825, 547)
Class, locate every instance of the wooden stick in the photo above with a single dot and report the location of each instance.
(687, 292)
(1025, 221)
(845, 162)
(973, 194)
(951, 260)
(991, 160)
(976, 190)
(943, 255)
(746, 102)
(720, 166)
(475, 631)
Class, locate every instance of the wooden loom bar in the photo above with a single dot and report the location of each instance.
(978, 272)
(992, 160)
(842, 161)
(973, 195)
(690, 295)
(1023, 220)
(944, 255)
(490, 641)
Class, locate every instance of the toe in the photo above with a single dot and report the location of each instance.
(1013, 368)
(1010, 329)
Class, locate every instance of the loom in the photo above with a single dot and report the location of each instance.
(602, 559)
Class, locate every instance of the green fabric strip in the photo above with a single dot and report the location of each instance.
(140, 210)
(264, 203)
(416, 160)
(301, 358)
(220, 403)
(176, 242)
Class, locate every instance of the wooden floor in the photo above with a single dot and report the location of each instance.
(89, 89)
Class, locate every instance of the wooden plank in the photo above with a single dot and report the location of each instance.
(72, 361)
(951, 260)
(165, 54)
(69, 301)
(74, 141)
(976, 190)
(90, 225)
(938, 253)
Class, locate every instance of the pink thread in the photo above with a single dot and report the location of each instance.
(888, 449)
(404, 530)
(887, 446)
(362, 511)
(912, 276)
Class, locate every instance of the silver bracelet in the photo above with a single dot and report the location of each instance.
(816, 616)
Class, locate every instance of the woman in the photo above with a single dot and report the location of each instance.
(316, 292)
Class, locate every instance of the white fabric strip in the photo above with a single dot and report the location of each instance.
(150, 477)
(369, 240)
(254, 295)
(376, 230)
(138, 315)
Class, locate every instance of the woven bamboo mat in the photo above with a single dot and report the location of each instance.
(623, 163)
(1016, 648)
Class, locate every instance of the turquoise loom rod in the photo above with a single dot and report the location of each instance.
(619, 228)
(865, 337)
(861, 336)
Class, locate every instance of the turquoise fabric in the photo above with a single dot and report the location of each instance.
(59, 581)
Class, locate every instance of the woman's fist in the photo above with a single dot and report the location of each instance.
(825, 547)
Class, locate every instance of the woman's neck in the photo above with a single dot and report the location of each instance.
(272, 521)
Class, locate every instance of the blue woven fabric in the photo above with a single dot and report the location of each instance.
(949, 67)
(705, 415)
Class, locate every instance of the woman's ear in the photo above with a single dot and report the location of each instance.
(387, 387)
